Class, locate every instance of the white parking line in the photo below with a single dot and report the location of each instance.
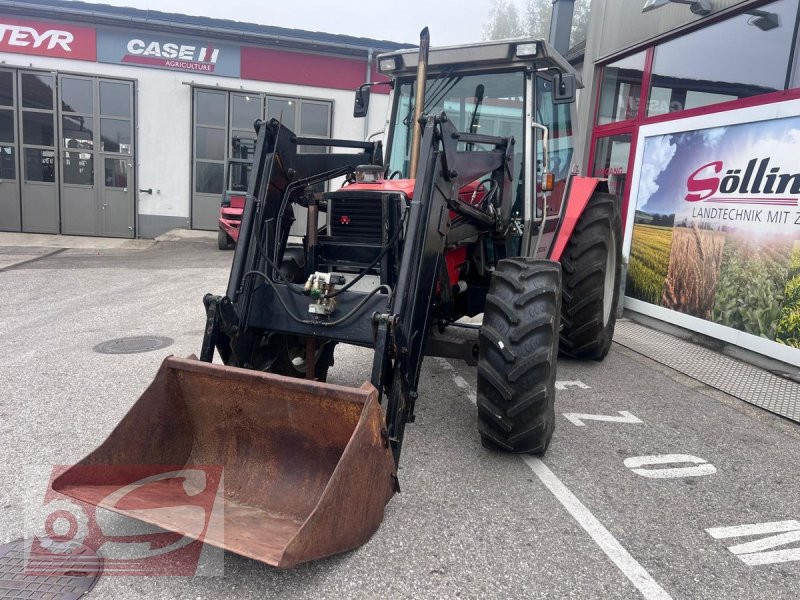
(629, 566)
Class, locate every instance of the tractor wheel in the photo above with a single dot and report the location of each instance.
(592, 263)
(518, 351)
(224, 241)
(285, 355)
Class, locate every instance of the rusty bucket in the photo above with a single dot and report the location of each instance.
(306, 471)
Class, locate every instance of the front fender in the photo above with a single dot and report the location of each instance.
(581, 189)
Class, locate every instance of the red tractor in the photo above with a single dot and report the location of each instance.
(237, 174)
(474, 210)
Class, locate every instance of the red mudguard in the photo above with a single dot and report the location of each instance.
(580, 191)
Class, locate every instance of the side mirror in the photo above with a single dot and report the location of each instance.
(564, 85)
(362, 101)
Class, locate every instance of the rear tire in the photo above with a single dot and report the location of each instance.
(592, 263)
(518, 350)
(224, 241)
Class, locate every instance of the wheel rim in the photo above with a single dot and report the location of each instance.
(611, 276)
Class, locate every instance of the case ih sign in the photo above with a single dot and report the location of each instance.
(47, 39)
(168, 52)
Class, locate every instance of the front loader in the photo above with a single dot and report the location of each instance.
(474, 210)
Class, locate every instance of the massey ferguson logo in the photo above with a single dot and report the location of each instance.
(172, 55)
(758, 183)
(28, 37)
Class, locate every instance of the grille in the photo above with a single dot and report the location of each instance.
(356, 218)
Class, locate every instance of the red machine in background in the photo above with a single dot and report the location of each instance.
(237, 175)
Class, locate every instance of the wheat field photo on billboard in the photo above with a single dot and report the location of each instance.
(693, 270)
(649, 262)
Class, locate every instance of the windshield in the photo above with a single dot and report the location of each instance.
(486, 103)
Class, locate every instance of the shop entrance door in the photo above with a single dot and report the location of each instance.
(10, 208)
(96, 133)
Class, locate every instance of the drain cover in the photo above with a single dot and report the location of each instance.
(62, 571)
(132, 345)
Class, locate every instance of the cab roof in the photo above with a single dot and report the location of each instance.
(518, 52)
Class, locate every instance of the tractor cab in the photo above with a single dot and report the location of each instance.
(520, 89)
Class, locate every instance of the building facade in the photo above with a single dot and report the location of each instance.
(118, 122)
(694, 117)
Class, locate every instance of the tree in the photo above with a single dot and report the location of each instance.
(537, 18)
(504, 21)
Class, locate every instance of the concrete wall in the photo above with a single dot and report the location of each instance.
(164, 125)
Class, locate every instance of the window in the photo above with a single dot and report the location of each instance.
(314, 119)
(244, 111)
(611, 161)
(223, 129)
(77, 132)
(211, 130)
(37, 128)
(7, 126)
(40, 165)
(489, 103)
(558, 119)
(37, 91)
(307, 118)
(209, 177)
(115, 99)
(210, 143)
(283, 110)
(79, 168)
(739, 57)
(115, 136)
(6, 88)
(210, 108)
(76, 95)
(116, 173)
(621, 89)
(8, 168)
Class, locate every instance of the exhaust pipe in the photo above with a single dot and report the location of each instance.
(419, 99)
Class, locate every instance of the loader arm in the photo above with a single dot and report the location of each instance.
(393, 320)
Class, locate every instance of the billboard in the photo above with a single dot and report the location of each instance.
(25, 36)
(167, 51)
(715, 234)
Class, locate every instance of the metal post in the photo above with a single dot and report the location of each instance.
(419, 100)
(561, 25)
(368, 80)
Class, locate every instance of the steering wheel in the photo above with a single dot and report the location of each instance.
(398, 173)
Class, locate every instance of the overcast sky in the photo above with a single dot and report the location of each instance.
(450, 21)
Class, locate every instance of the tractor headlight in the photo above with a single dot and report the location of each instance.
(524, 50)
(387, 65)
(369, 174)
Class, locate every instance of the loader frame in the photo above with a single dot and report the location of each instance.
(395, 324)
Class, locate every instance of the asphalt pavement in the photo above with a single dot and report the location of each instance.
(654, 486)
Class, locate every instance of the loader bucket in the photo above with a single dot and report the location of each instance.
(306, 467)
